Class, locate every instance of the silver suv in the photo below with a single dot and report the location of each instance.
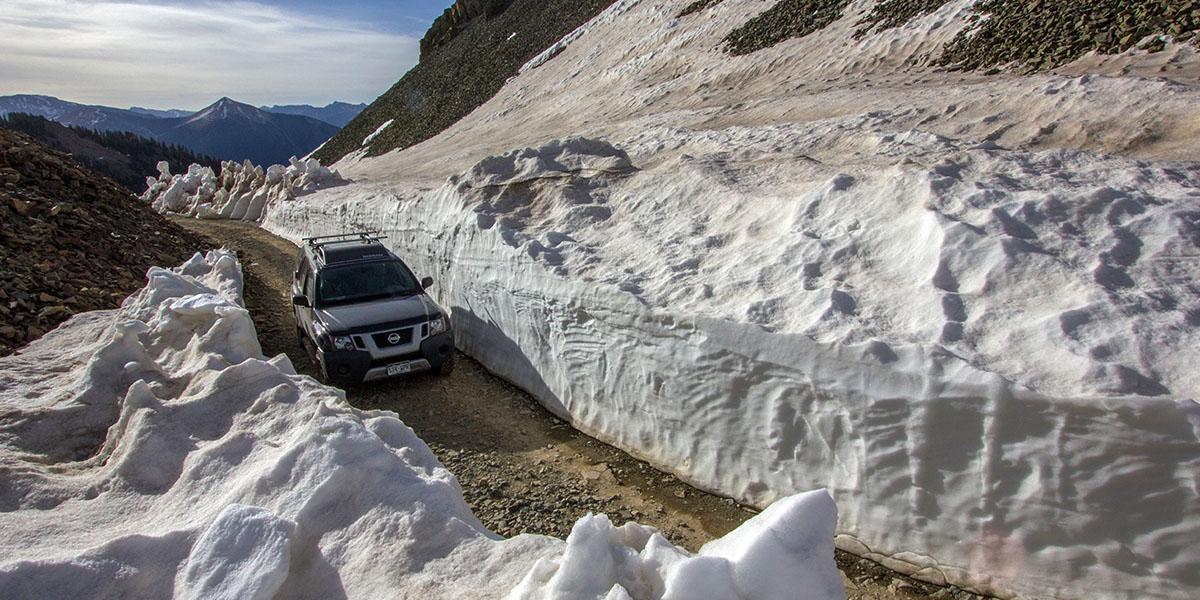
(363, 315)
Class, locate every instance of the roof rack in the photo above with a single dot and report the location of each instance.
(365, 237)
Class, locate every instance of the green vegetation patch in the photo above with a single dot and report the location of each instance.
(889, 14)
(787, 19)
(1043, 34)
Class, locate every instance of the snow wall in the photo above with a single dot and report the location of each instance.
(986, 356)
(153, 452)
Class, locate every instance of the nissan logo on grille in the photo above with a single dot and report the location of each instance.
(387, 339)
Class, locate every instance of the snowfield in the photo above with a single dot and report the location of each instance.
(968, 306)
(153, 452)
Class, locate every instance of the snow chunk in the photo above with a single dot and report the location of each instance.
(243, 554)
(557, 158)
(242, 191)
(772, 555)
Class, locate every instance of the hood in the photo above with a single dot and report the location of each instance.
(359, 318)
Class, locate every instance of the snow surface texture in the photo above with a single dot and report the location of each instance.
(983, 354)
(966, 304)
(241, 192)
(153, 452)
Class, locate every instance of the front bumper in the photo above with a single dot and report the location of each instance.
(357, 366)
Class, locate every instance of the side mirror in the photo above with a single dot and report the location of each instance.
(300, 300)
(426, 282)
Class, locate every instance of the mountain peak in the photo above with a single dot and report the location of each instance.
(226, 108)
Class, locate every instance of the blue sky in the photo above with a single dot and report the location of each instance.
(174, 54)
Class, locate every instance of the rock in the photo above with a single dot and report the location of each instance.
(8, 332)
(51, 312)
(22, 207)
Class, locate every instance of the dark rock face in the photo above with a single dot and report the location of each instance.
(71, 241)
(456, 18)
(474, 53)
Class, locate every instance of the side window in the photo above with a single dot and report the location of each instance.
(305, 277)
(310, 288)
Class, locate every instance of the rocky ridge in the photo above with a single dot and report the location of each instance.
(72, 241)
(464, 62)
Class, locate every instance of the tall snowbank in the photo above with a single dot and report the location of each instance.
(986, 355)
(241, 192)
(153, 452)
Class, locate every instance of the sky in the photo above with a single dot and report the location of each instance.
(179, 54)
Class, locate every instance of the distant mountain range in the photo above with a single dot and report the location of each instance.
(227, 129)
(334, 113)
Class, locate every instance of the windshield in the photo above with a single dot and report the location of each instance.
(365, 282)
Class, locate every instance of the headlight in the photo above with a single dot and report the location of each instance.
(329, 342)
(437, 325)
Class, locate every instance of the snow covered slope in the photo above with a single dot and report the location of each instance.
(153, 452)
(966, 304)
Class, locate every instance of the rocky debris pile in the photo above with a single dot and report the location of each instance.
(241, 192)
(889, 14)
(787, 19)
(1044, 35)
(539, 501)
(697, 6)
(72, 240)
(461, 75)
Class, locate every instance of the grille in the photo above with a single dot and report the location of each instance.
(398, 337)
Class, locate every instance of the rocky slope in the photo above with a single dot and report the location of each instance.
(72, 240)
(466, 57)
(124, 157)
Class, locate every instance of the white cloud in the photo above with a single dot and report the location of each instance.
(187, 55)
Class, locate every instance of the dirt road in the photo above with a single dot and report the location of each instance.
(522, 469)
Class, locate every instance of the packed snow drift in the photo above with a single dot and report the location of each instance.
(967, 305)
(153, 452)
(241, 192)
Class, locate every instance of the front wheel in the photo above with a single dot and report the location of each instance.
(310, 351)
(447, 366)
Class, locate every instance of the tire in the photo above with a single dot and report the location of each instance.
(447, 366)
(311, 354)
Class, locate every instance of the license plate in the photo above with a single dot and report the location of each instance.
(399, 368)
